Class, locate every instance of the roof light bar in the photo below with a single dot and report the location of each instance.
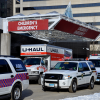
(95, 54)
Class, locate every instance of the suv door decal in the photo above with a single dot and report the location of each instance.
(9, 82)
(82, 75)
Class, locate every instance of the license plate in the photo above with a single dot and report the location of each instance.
(97, 79)
(51, 85)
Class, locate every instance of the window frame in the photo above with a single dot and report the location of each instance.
(8, 66)
(84, 67)
(92, 68)
(80, 70)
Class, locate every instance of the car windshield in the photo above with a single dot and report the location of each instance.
(32, 61)
(96, 62)
(66, 66)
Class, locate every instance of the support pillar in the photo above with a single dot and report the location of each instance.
(5, 47)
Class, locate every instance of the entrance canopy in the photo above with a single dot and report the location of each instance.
(51, 26)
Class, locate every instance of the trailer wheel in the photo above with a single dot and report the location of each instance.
(39, 80)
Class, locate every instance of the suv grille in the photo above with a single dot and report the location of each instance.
(53, 76)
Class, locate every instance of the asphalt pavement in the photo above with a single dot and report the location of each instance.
(35, 92)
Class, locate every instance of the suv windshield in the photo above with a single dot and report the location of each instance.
(66, 66)
(32, 61)
(96, 62)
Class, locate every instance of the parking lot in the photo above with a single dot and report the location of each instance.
(34, 92)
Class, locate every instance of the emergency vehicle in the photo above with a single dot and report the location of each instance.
(13, 78)
(69, 75)
(95, 58)
(42, 57)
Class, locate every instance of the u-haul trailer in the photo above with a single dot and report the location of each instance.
(42, 57)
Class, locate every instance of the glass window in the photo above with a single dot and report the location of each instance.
(3, 5)
(18, 65)
(86, 14)
(66, 66)
(96, 62)
(91, 66)
(17, 10)
(32, 61)
(85, 66)
(4, 67)
(17, 1)
(63, 6)
(31, 0)
(42, 62)
(3, 14)
(80, 67)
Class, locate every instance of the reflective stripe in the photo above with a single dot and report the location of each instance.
(9, 82)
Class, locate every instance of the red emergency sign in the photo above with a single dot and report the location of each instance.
(28, 25)
(75, 29)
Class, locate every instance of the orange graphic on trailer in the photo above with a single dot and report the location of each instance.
(44, 68)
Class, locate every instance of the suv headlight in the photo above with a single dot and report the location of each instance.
(43, 75)
(66, 77)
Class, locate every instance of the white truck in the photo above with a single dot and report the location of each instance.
(42, 57)
(95, 58)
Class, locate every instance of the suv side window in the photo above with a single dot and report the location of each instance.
(80, 67)
(86, 68)
(91, 66)
(18, 65)
(4, 67)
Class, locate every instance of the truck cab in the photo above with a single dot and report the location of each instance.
(35, 67)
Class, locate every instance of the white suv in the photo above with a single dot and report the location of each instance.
(69, 75)
(13, 78)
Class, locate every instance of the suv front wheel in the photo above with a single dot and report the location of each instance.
(73, 86)
(16, 92)
(91, 84)
(39, 80)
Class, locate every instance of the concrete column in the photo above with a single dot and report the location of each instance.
(21, 6)
(5, 44)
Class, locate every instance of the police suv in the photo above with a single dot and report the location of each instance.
(70, 75)
(13, 78)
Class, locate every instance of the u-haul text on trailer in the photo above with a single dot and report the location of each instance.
(42, 57)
